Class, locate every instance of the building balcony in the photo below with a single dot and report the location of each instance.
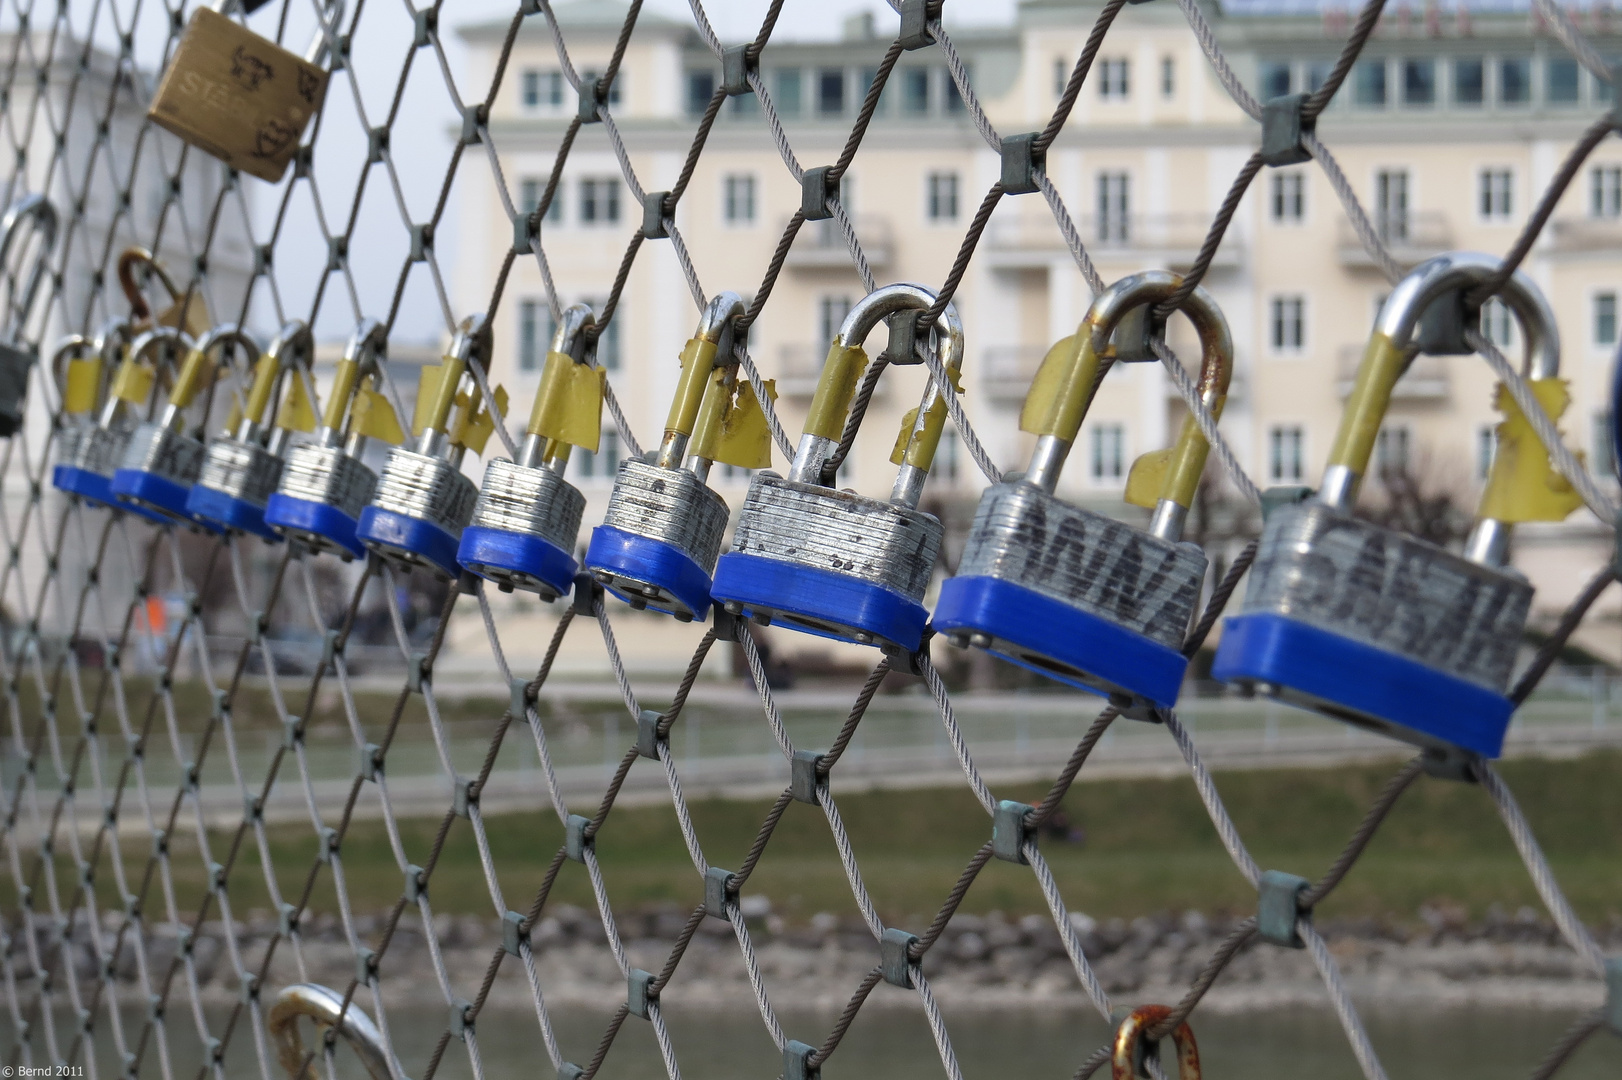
(1006, 371)
(1575, 235)
(1411, 239)
(820, 245)
(1428, 378)
(1172, 240)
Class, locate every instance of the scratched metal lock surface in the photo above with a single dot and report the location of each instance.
(1391, 591)
(537, 502)
(670, 505)
(839, 531)
(1023, 535)
(98, 449)
(428, 488)
(164, 452)
(234, 95)
(325, 474)
(241, 470)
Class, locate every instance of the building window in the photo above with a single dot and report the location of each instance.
(1317, 75)
(1061, 76)
(739, 206)
(1498, 323)
(915, 91)
(1605, 318)
(608, 342)
(1469, 81)
(1603, 458)
(1486, 450)
(1288, 323)
(537, 88)
(1497, 188)
(700, 88)
(1168, 76)
(1605, 191)
(1286, 453)
(530, 191)
(1368, 88)
(1275, 79)
(786, 96)
(1515, 80)
(1108, 452)
(1391, 205)
(948, 457)
(1560, 86)
(831, 91)
(1419, 83)
(942, 196)
(1114, 208)
(605, 462)
(1289, 201)
(1114, 79)
(532, 347)
(600, 201)
(954, 96)
(831, 312)
(1391, 451)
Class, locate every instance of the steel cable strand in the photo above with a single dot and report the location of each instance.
(1569, 1043)
(1551, 649)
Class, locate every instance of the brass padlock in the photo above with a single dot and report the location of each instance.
(243, 99)
(186, 311)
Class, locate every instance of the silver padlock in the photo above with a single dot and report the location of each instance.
(423, 500)
(1073, 594)
(524, 527)
(326, 484)
(1380, 628)
(162, 461)
(242, 469)
(659, 540)
(17, 354)
(834, 563)
(96, 424)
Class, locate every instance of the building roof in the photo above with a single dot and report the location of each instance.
(581, 15)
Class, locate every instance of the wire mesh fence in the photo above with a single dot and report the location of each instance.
(111, 765)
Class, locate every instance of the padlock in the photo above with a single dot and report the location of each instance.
(834, 563)
(524, 527)
(88, 445)
(245, 100)
(161, 461)
(1379, 628)
(1076, 595)
(659, 540)
(1131, 1046)
(241, 470)
(17, 355)
(325, 483)
(423, 500)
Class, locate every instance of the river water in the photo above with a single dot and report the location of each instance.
(895, 1044)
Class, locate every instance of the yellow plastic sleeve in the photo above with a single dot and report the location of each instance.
(712, 408)
(296, 412)
(190, 380)
(1523, 485)
(569, 403)
(436, 393)
(916, 445)
(343, 385)
(259, 391)
(1188, 459)
(1366, 407)
(1063, 388)
(691, 389)
(841, 373)
(132, 383)
(83, 380)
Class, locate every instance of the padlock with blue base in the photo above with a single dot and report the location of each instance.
(423, 501)
(1385, 630)
(91, 433)
(525, 524)
(1075, 595)
(834, 563)
(242, 468)
(658, 543)
(325, 484)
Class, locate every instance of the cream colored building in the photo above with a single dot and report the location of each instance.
(1449, 129)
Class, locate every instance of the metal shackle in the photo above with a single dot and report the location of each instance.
(128, 260)
(697, 408)
(842, 372)
(470, 345)
(145, 343)
(1064, 387)
(1391, 348)
(1126, 1058)
(190, 382)
(292, 349)
(569, 339)
(38, 210)
(363, 358)
(325, 1007)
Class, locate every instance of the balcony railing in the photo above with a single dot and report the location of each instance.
(820, 245)
(1174, 239)
(1006, 371)
(1411, 238)
(1428, 378)
(1585, 234)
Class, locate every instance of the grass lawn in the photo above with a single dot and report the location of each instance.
(1149, 847)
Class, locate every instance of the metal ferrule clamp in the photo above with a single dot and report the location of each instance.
(241, 470)
(527, 519)
(325, 484)
(1386, 630)
(658, 543)
(835, 563)
(423, 501)
(1071, 594)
